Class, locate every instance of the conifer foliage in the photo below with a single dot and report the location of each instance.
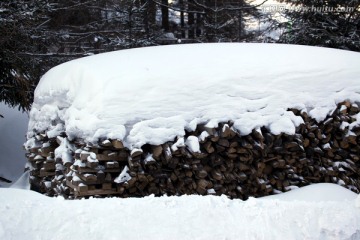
(37, 35)
(326, 23)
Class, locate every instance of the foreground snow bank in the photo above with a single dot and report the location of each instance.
(25, 213)
(144, 96)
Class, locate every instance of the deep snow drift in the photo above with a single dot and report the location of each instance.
(151, 95)
(322, 211)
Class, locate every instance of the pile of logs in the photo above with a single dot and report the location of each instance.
(207, 161)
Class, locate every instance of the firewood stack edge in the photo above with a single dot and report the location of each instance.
(207, 161)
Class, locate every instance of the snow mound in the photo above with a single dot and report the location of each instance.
(358, 201)
(22, 182)
(26, 213)
(18, 195)
(316, 193)
(151, 95)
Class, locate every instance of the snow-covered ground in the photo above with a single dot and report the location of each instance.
(322, 211)
(144, 96)
(13, 129)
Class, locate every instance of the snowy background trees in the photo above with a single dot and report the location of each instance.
(330, 23)
(37, 35)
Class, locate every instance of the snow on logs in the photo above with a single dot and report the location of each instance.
(206, 161)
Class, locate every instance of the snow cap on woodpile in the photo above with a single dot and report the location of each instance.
(152, 95)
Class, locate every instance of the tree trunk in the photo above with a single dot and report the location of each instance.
(191, 19)
(182, 18)
(165, 15)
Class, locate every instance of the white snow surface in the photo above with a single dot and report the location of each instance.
(124, 176)
(23, 182)
(150, 95)
(26, 214)
(192, 143)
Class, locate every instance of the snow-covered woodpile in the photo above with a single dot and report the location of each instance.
(206, 161)
(127, 123)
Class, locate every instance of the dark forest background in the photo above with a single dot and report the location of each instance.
(37, 35)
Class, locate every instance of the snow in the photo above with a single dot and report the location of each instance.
(13, 130)
(179, 143)
(135, 150)
(142, 96)
(79, 163)
(326, 146)
(39, 157)
(192, 143)
(64, 151)
(124, 176)
(316, 193)
(149, 159)
(92, 155)
(355, 123)
(211, 191)
(321, 211)
(342, 108)
(203, 136)
(23, 182)
(76, 179)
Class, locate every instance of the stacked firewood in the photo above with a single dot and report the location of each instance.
(43, 165)
(207, 161)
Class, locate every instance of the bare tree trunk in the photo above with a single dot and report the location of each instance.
(165, 15)
(198, 23)
(191, 19)
(149, 15)
(240, 19)
(182, 18)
